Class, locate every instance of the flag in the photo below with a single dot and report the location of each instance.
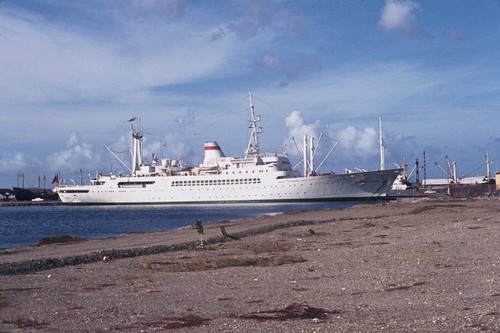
(55, 180)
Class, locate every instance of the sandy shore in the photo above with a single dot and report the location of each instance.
(427, 266)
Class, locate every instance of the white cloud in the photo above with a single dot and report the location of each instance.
(48, 62)
(355, 145)
(77, 155)
(297, 128)
(399, 16)
(359, 143)
(10, 164)
(73, 140)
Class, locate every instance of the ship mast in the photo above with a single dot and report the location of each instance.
(253, 143)
(382, 150)
(306, 163)
(488, 170)
(137, 135)
(311, 157)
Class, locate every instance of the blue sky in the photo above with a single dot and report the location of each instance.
(73, 73)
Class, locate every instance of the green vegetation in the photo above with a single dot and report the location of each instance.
(199, 229)
(223, 231)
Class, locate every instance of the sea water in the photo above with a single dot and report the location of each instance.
(26, 225)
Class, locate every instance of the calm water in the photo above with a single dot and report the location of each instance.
(21, 226)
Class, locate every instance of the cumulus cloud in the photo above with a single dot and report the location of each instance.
(359, 148)
(72, 140)
(354, 143)
(297, 127)
(400, 16)
(356, 148)
(359, 142)
(76, 155)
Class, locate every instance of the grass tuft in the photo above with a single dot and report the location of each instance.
(311, 232)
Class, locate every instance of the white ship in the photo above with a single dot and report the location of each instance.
(253, 178)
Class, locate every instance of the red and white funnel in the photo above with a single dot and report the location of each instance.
(212, 153)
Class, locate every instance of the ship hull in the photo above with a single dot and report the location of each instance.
(216, 189)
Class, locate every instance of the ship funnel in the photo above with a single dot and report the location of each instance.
(212, 153)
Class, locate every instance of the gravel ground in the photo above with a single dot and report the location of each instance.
(426, 266)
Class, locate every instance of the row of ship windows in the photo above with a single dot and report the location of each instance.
(253, 171)
(216, 182)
